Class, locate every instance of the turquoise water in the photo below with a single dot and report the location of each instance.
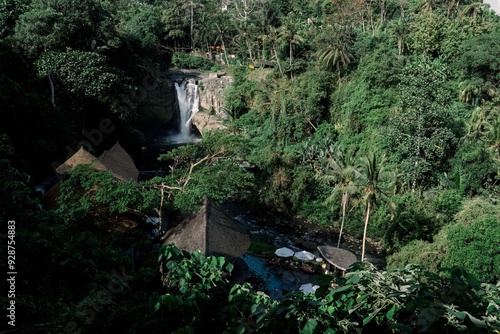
(272, 282)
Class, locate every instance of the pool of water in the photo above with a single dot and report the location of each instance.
(273, 284)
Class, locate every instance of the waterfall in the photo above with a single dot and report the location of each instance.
(189, 101)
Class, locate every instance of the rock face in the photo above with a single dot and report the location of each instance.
(205, 122)
(212, 93)
(212, 112)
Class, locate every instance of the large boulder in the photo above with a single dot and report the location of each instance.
(205, 122)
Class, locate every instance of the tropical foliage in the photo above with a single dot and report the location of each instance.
(411, 299)
(377, 119)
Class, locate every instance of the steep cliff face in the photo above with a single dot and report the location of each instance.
(158, 104)
(212, 113)
(212, 93)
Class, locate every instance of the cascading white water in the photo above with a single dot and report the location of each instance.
(189, 102)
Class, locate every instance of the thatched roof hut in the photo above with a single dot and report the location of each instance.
(211, 231)
(80, 157)
(119, 163)
(116, 160)
(338, 257)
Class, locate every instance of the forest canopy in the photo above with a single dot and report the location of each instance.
(379, 119)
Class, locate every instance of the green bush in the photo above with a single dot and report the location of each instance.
(184, 60)
(471, 242)
(414, 219)
(428, 254)
(476, 209)
(448, 203)
(412, 299)
(476, 248)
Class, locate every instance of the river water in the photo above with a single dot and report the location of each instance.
(280, 231)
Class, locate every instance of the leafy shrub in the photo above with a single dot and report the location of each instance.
(477, 208)
(473, 168)
(448, 203)
(471, 242)
(184, 60)
(476, 248)
(412, 299)
(316, 212)
(428, 254)
(414, 219)
(239, 95)
(194, 287)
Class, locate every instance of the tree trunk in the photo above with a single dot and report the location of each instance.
(345, 199)
(249, 47)
(192, 25)
(160, 210)
(49, 76)
(383, 11)
(367, 218)
(224, 49)
(52, 91)
(278, 60)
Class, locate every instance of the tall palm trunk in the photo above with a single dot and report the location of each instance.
(278, 60)
(367, 218)
(49, 76)
(191, 28)
(345, 199)
(249, 47)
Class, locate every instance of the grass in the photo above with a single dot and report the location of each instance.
(261, 248)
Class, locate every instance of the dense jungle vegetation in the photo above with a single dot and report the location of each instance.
(380, 118)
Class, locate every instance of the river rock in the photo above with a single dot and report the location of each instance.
(309, 245)
(205, 122)
(299, 241)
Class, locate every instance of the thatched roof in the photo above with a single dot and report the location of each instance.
(211, 231)
(80, 157)
(116, 160)
(119, 163)
(338, 257)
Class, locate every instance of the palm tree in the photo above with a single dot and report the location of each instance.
(272, 38)
(289, 32)
(475, 124)
(191, 5)
(342, 171)
(400, 30)
(472, 11)
(337, 54)
(372, 173)
(491, 136)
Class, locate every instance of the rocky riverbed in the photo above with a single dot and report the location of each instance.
(281, 231)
